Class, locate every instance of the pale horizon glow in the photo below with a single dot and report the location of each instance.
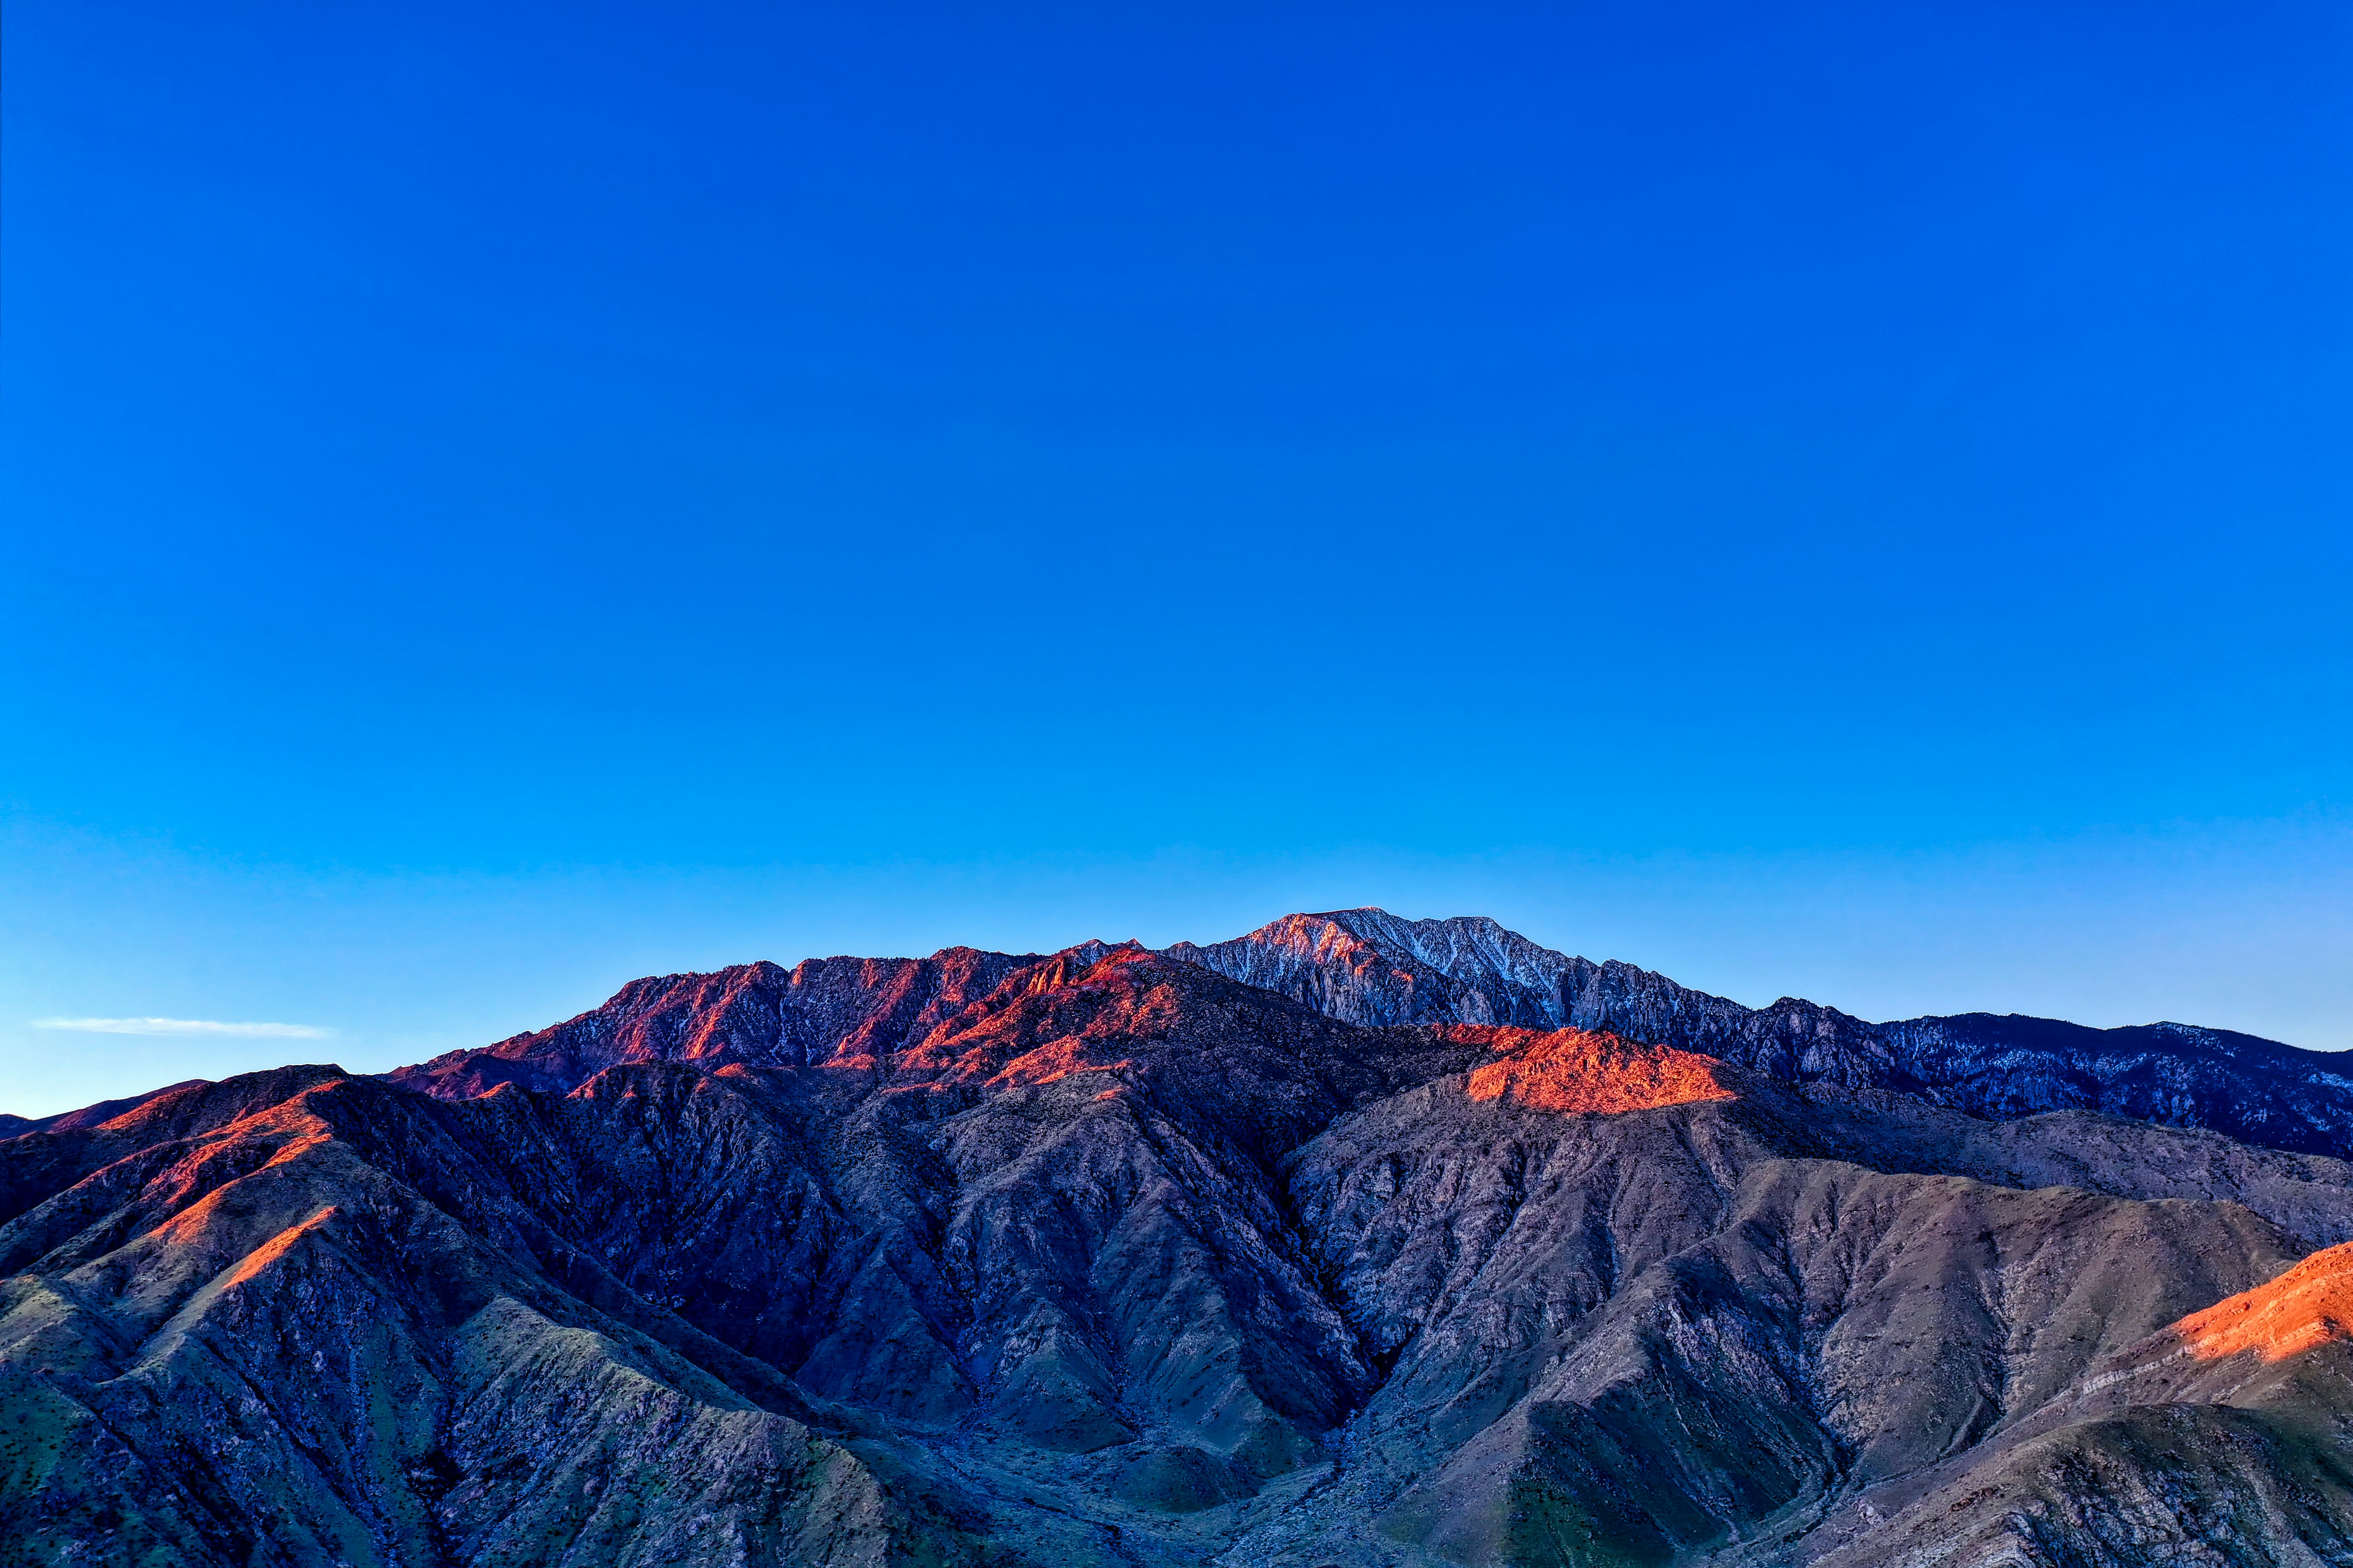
(186, 1026)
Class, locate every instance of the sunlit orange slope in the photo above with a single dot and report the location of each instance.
(2309, 1306)
(1576, 1071)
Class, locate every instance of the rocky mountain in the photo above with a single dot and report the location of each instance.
(1328, 1246)
(1370, 966)
(836, 1011)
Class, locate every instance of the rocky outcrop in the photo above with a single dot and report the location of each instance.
(2309, 1306)
(1578, 1072)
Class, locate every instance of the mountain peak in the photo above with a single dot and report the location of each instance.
(1368, 966)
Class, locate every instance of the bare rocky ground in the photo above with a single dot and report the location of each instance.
(1356, 1241)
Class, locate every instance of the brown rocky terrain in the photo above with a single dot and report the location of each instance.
(1207, 1257)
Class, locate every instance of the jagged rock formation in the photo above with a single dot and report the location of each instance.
(1332, 1246)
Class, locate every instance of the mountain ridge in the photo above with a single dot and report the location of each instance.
(1367, 965)
(1111, 1257)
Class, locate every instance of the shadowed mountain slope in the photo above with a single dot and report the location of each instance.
(2221, 1438)
(1109, 1257)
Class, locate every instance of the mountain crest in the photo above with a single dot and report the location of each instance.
(1357, 1240)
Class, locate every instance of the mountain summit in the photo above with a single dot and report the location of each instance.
(1368, 966)
(1356, 1240)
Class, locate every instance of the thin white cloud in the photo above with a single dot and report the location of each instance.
(185, 1026)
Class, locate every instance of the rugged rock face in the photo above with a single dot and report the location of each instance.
(1368, 966)
(1114, 1256)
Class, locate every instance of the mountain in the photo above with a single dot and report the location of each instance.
(836, 1010)
(1371, 967)
(1329, 1246)
(88, 1115)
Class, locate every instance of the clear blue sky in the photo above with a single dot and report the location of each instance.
(1846, 500)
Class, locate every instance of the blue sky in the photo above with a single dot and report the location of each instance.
(1849, 500)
